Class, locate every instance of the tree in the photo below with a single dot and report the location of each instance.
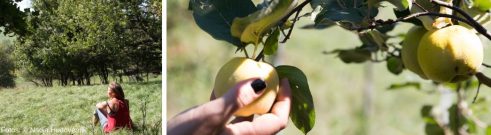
(12, 18)
(7, 77)
(71, 41)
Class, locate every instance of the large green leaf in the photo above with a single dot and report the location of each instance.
(302, 108)
(215, 16)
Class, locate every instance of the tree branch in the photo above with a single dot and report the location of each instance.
(291, 29)
(479, 28)
(390, 21)
(283, 20)
(483, 79)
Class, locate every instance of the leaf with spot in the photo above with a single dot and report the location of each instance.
(302, 111)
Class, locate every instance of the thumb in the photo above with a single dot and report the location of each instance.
(245, 92)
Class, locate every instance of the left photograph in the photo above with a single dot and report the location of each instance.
(80, 67)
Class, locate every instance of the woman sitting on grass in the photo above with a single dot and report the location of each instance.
(114, 113)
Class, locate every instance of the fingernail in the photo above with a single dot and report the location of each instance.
(258, 85)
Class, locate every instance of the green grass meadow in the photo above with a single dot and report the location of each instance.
(27, 108)
(194, 58)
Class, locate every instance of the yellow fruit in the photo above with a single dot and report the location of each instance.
(409, 50)
(239, 69)
(450, 54)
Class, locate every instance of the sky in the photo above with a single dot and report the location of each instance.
(24, 4)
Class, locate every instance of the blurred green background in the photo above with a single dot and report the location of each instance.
(194, 58)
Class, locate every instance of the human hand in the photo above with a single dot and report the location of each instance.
(211, 117)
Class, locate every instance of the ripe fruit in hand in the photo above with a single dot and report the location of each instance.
(239, 69)
(409, 50)
(450, 54)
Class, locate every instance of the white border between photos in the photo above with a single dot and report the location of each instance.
(164, 67)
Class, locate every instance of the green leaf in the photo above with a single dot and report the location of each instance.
(215, 17)
(426, 111)
(456, 121)
(374, 38)
(433, 129)
(394, 65)
(252, 28)
(348, 14)
(472, 126)
(431, 126)
(302, 108)
(396, 86)
(271, 44)
(354, 55)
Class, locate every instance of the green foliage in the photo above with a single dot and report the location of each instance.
(11, 18)
(71, 41)
(302, 111)
(7, 65)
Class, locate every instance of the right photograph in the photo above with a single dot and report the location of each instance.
(80, 67)
(340, 67)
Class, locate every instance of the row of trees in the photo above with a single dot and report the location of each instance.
(71, 41)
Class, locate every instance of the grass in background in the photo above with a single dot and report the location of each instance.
(72, 107)
(194, 58)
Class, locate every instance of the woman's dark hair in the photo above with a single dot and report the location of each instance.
(116, 88)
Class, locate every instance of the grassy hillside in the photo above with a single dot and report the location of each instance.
(71, 107)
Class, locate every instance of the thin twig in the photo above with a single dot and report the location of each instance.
(297, 9)
(477, 92)
(486, 65)
(291, 28)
